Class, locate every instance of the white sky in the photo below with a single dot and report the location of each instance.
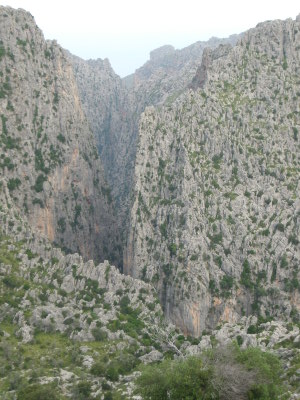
(125, 31)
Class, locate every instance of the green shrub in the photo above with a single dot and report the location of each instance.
(99, 334)
(126, 363)
(172, 249)
(226, 282)
(124, 305)
(112, 373)
(13, 184)
(2, 50)
(246, 275)
(38, 186)
(252, 329)
(105, 386)
(163, 229)
(239, 340)
(37, 392)
(12, 281)
(268, 367)
(227, 373)
(98, 369)
(83, 390)
(180, 379)
(215, 239)
(61, 138)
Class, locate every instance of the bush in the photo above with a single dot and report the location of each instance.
(99, 334)
(38, 186)
(227, 373)
(84, 388)
(124, 305)
(37, 392)
(98, 369)
(226, 282)
(126, 363)
(246, 275)
(112, 373)
(13, 184)
(252, 329)
(12, 281)
(105, 386)
(180, 379)
(268, 368)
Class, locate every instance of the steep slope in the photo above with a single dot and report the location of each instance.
(215, 220)
(108, 108)
(72, 328)
(48, 153)
(60, 316)
(113, 107)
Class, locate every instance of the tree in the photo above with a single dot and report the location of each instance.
(164, 333)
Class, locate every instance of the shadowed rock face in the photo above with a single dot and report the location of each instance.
(215, 219)
(49, 158)
(108, 107)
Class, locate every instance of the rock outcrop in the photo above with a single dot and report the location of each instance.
(215, 220)
(49, 156)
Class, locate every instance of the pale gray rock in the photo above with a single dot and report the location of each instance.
(151, 357)
(214, 223)
(53, 158)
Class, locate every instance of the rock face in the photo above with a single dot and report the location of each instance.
(107, 105)
(113, 107)
(48, 153)
(213, 216)
(169, 72)
(206, 184)
(215, 219)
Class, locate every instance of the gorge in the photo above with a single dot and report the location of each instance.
(171, 194)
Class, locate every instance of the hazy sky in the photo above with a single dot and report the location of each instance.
(125, 31)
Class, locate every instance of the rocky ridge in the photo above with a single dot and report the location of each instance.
(169, 72)
(215, 220)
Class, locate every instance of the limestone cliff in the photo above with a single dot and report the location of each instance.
(113, 107)
(169, 72)
(48, 153)
(215, 220)
(107, 105)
